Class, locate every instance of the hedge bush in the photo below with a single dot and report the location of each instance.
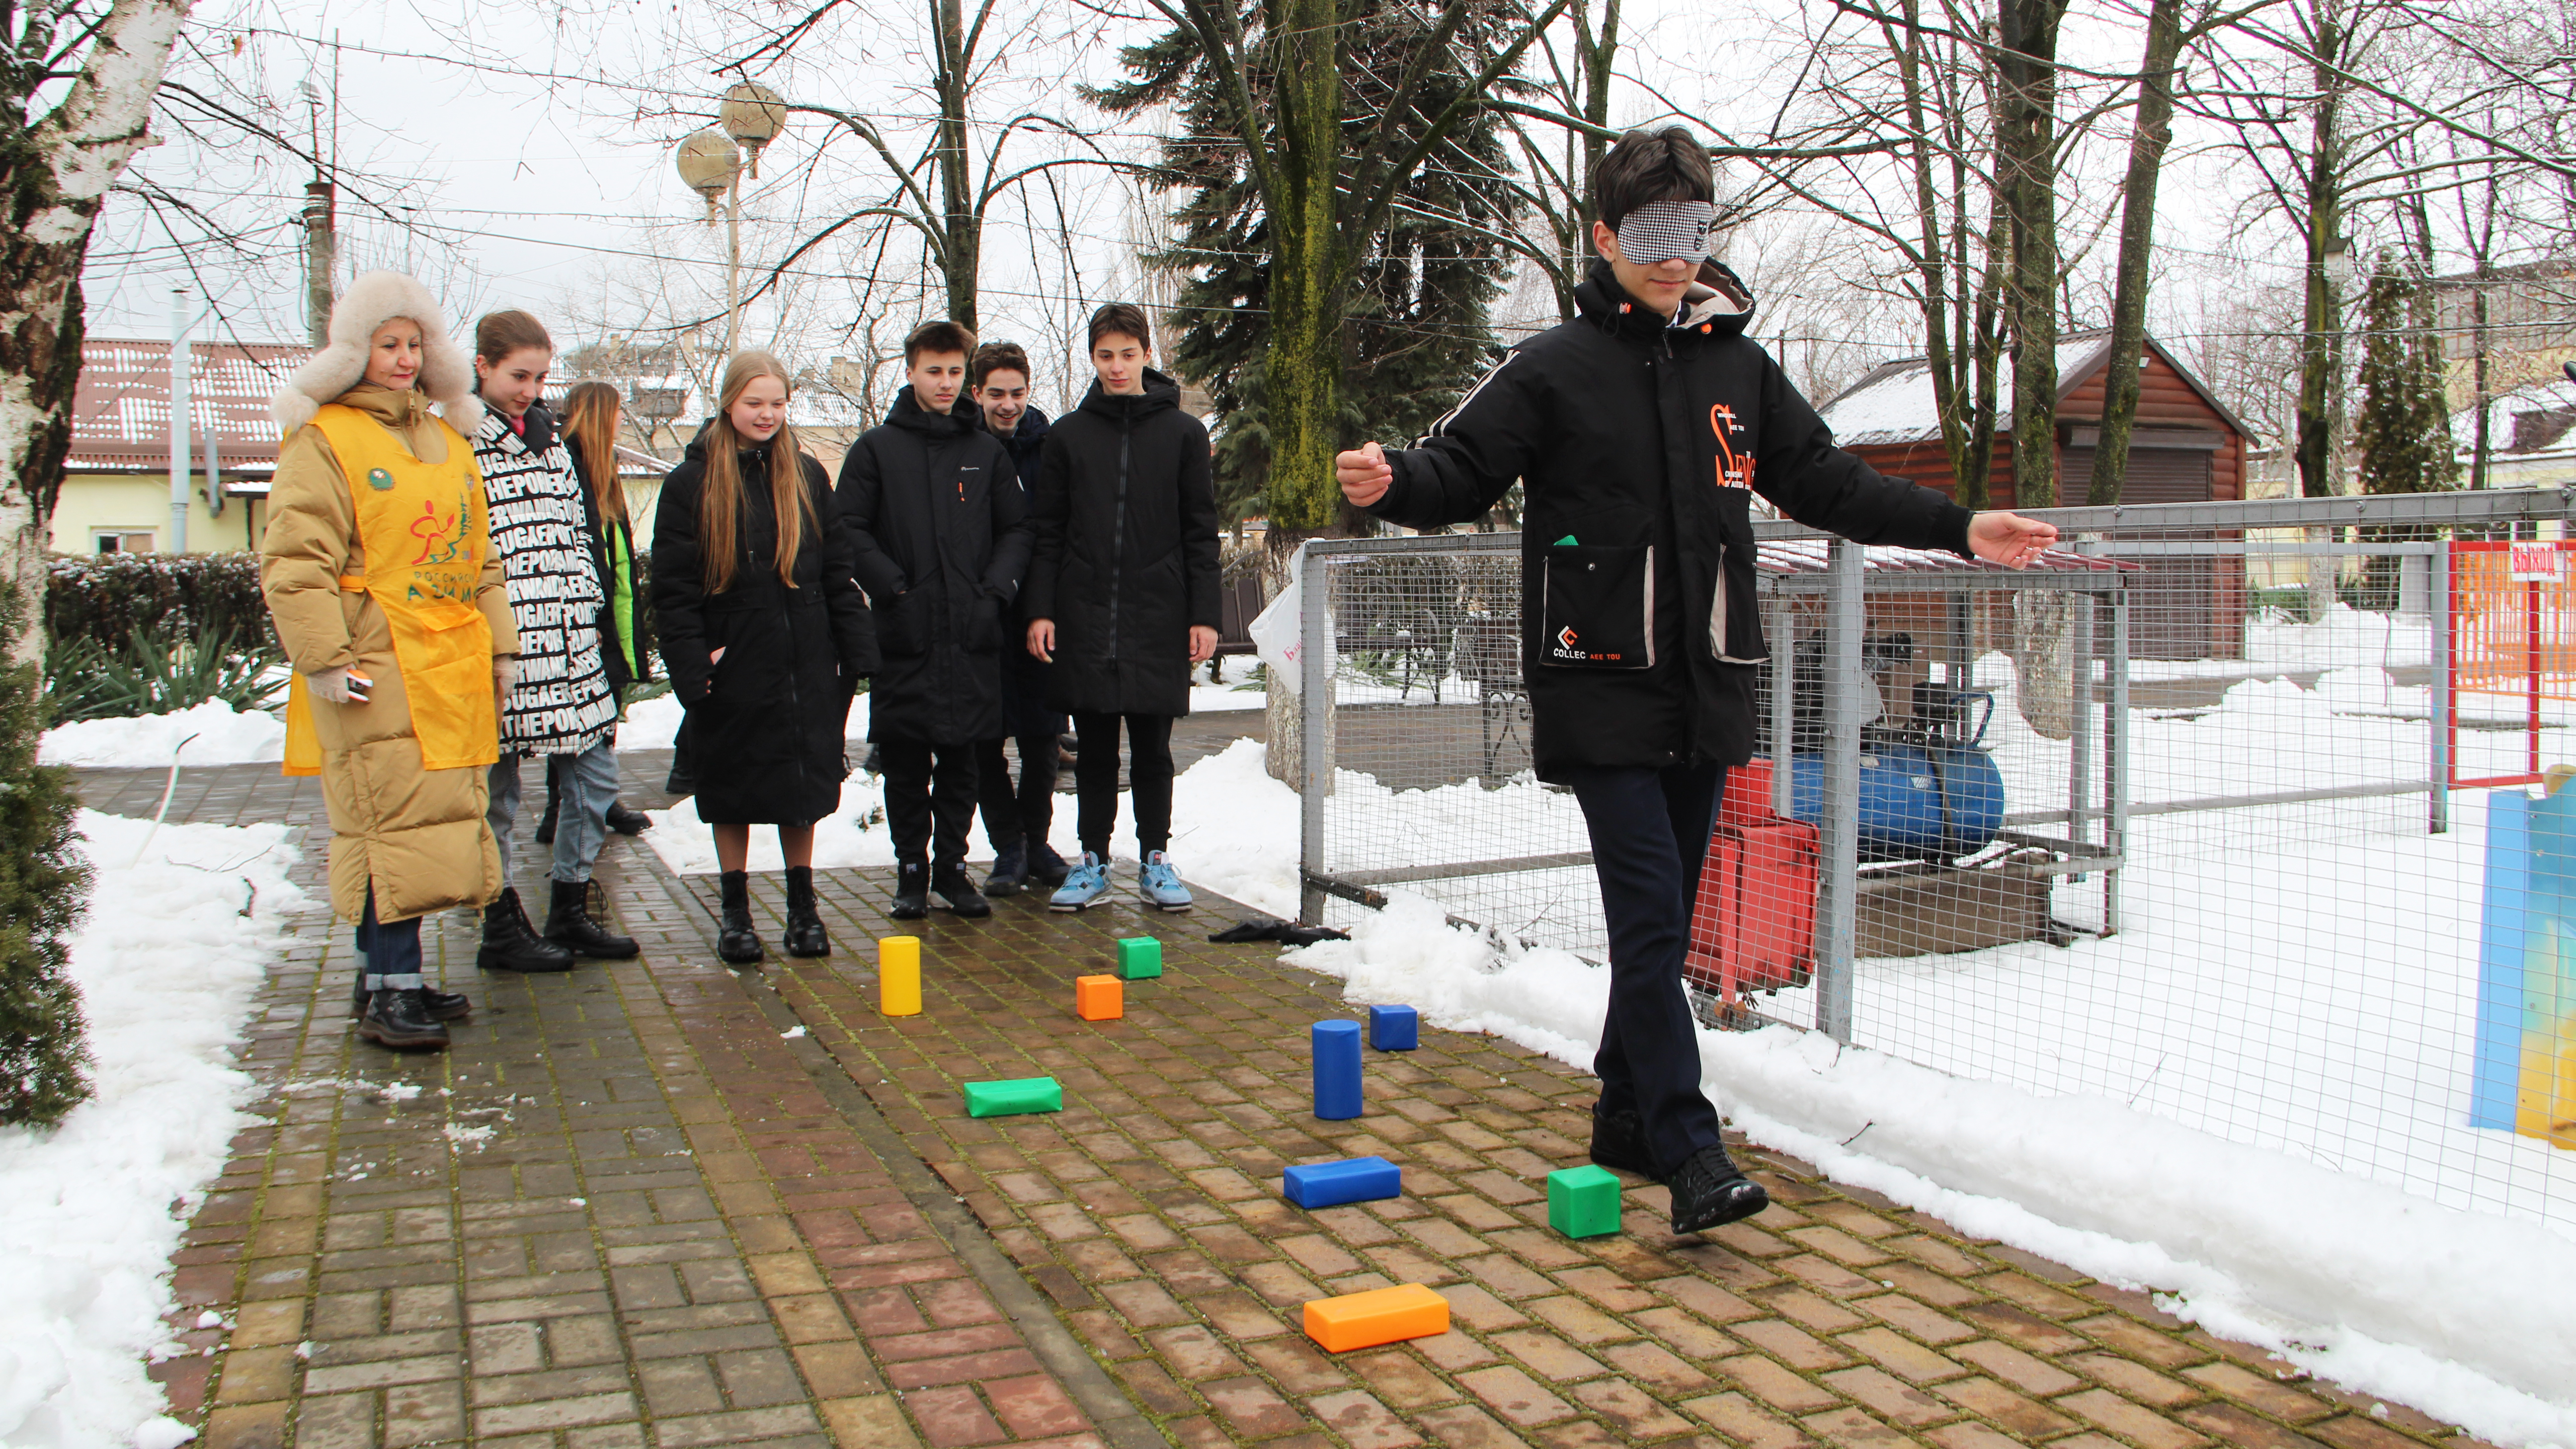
(44, 887)
(111, 598)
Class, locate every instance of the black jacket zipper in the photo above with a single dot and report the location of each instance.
(1118, 529)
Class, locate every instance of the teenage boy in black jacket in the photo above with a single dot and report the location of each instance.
(1123, 595)
(1642, 430)
(1016, 820)
(939, 540)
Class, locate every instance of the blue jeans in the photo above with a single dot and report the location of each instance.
(388, 955)
(1649, 832)
(581, 821)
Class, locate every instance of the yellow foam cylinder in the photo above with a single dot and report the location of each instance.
(899, 975)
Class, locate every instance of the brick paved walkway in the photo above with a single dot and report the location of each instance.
(663, 1203)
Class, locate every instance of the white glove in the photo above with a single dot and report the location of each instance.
(330, 685)
(505, 672)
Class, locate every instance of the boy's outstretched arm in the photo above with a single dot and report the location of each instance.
(1463, 466)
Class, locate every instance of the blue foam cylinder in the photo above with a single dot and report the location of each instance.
(1331, 1184)
(1394, 1028)
(1337, 1070)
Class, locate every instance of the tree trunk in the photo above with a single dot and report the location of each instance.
(2321, 337)
(2147, 143)
(961, 227)
(1304, 372)
(2026, 136)
(54, 177)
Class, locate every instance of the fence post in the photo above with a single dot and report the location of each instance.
(1314, 717)
(2086, 627)
(1781, 630)
(2115, 765)
(1837, 906)
(2437, 726)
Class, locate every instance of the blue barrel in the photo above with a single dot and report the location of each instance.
(1916, 801)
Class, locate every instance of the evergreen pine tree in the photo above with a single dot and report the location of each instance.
(2403, 432)
(1417, 332)
(43, 884)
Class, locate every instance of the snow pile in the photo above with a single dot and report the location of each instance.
(224, 736)
(168, 964)
(2461, 1314)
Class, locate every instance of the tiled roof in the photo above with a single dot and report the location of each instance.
(121, 413)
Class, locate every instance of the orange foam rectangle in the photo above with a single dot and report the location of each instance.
(1381, 1315)
(1099, 998)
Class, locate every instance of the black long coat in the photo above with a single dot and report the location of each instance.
(1026, 710)
(939, 538)
(1126, 550)
(764, 726)
(1641, 444)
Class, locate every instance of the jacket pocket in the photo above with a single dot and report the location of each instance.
(1735, 614)
(1600, 607)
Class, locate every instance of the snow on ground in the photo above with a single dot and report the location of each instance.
(2460, 1314)
(183, 922)
(224, 736)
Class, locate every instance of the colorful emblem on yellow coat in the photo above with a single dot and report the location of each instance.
(425, 539)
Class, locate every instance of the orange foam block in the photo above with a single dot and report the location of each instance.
(1381, 1315)
(1099, 998)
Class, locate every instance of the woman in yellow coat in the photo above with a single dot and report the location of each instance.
(380, 573)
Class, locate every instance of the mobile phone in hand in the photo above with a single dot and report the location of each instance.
(359, 685)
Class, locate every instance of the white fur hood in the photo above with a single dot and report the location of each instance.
(446, 370)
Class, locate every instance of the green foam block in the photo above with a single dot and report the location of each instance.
(1583, 1202)
(1139, 957)
(1025, 1094)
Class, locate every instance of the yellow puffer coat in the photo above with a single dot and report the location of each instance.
(417, 834)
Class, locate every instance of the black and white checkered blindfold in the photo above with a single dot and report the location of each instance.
(1662, 230)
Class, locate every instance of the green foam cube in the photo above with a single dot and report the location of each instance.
(1024, 1094)
(1139, 957)
(1583, 1202)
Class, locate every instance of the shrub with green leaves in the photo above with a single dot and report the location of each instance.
(112, 597)
(160, 670)
(44, 884)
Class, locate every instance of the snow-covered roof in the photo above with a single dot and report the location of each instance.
(2535, 420)
(1894, 402)
(121, 410)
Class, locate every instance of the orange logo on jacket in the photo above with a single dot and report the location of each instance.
(1733, 470)
(441, 540)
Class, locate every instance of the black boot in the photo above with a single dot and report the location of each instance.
(569, 924)
(1710, 1191)
(1010, 870)
(911, 891)
(511, 944)
(625, 821)
(441, 1005)
(737, 944)
(399, 1019)
(956, 890)
(1046, 868)
(1619, 1143)
(805, 933)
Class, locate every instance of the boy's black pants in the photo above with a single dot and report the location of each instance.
(1149, 779)
(1649, 835)
(1025, 812)
(929, 798)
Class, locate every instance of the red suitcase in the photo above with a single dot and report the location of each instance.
(1755, 925)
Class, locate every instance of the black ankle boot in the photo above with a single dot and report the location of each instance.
(957, 889)
(401, 1020)
(737, 944)
(1710, 1191)
(570, 925)
(1010, 870)
(911, 891)
(511, 944)
(441, 1005)
(805, 933)
(1619, 1143)
(625, 821)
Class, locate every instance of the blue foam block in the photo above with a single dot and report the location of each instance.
(1330, 1184)
(1337, 1070)
(1394, 1028)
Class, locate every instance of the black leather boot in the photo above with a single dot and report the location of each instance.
(957, 890)
(1619, 1143)
(442, 1005)
(805, 933)
(1710, 1191)
(569, 924)
(400, 1020)
(511, 944)
(911, 891)
(625, 821)
(737, 944)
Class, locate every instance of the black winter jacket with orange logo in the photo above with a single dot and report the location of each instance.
(1641, 444)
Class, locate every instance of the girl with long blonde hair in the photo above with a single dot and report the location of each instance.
(765, 636)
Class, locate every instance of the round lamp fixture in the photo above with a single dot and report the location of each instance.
(753, 114)
(708, 161)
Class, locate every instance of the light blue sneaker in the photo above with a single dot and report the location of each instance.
(1086, 883)
(1161, 884)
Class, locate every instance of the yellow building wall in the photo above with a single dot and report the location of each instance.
(95, 503)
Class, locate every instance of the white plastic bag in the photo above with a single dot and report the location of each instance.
(1278, 636)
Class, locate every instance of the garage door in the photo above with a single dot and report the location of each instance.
(2173, 607)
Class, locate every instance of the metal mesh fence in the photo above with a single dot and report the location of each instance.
(2169, 820)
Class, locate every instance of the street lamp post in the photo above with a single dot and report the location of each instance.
(712, 161)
